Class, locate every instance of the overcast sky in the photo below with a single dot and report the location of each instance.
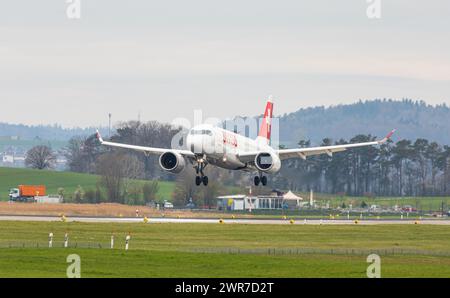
(166, 58)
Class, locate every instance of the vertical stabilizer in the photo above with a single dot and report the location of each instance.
(266, 125)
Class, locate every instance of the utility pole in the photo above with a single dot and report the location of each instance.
(109, 125)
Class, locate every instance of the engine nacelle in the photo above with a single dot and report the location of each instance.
(172, 162)
(267, 162)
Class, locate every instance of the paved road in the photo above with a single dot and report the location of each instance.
(225, 221)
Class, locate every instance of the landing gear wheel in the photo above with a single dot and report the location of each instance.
(264, 180)
(205, 180)
(256, 180)
(198, 180)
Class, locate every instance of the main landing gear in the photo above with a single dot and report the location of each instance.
(201, 177)
(260, 178)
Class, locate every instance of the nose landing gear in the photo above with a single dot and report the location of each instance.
(201, 177)
(260, 178)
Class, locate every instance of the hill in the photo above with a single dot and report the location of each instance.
(11, 177)
(44, 132)
(413, 119)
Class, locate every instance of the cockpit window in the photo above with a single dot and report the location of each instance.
(201, 132)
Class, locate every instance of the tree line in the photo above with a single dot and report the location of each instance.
(403, 168)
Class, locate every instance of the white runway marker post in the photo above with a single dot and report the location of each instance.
(50, 240)
(66, 240)
(127, 241)
(112, 241)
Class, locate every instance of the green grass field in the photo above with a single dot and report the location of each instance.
(11, 177)
(420, 203)
(200, 250)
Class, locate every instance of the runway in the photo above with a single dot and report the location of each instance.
(226, 221)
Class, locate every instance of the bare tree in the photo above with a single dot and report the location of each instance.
(149, 190)
(109, 167)
(153, 134)
(117, 171)
(82, 153)
(132, 168)
(185, 188)
(40, 157)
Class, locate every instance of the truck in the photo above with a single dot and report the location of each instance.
(27, 193)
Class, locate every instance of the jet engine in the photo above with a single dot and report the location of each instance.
(172, 162)
(267, 162)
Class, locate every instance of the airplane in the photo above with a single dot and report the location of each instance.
(233, 151)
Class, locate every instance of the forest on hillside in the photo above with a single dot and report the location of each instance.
(412, 119)
(397, 168)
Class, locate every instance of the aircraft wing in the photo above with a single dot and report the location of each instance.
(144, 149)
(305, 152)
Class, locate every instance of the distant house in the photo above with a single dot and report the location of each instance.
(244, 202)
(231, 202)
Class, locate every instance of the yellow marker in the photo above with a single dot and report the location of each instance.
(292, 221)
(416, 222)
(63, 218)
(145, 219)
(356, 221)
(221, 221)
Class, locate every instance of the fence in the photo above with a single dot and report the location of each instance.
(245, 251)
(329, 251)
(31, 244)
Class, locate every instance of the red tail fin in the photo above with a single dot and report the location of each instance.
(266, 125)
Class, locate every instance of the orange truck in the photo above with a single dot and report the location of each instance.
(27, 193)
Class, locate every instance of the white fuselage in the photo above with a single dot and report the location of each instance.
(221, 147)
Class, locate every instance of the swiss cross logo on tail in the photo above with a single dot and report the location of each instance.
(267, 121)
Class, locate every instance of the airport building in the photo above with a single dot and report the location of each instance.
(247, 202)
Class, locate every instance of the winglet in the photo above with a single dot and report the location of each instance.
(386, 138)
(98, 136)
